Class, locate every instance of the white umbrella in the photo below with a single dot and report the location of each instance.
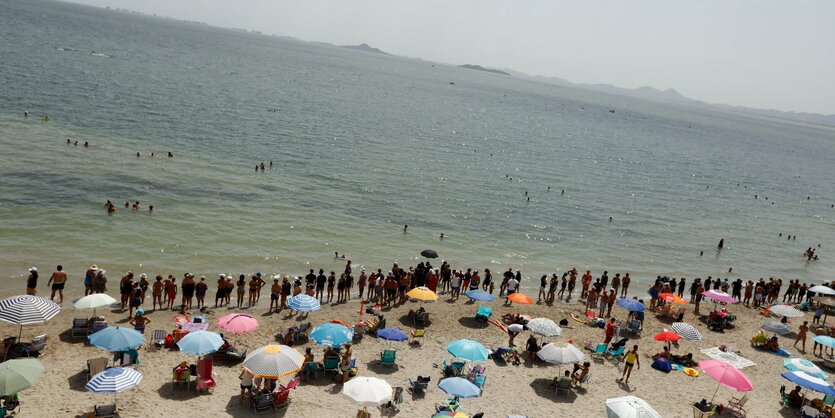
(786, 310)
(561, 355)
(544, 327)
(27, 309)
(515, 327)
(367, 391)
(93, 301)
(629, 407)
(822, 290)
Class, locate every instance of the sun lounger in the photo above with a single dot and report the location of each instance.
(599, 353)
(388, 358)
(453, 369)
(300, 337)
(157, 339)
(104, 411)
(416, 335)
(262, 402)
(616, 354)
(98, 326)
(80, 327)
(95, 366)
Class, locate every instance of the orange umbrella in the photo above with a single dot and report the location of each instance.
(667, 336)
(671, 298)
(520, 298)
(343, 323)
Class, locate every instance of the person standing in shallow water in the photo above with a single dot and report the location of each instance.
(721, 243)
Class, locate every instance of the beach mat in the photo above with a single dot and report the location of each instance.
(728, 357)
(781, 352)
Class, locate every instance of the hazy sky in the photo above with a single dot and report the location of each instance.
(768, 54)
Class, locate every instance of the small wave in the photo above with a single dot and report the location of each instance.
(96, 54)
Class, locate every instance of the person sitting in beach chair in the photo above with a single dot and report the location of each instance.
(10, 404)
(414, 313)
(420, 384)
(581, 373)
(562, 384)
(453, 369)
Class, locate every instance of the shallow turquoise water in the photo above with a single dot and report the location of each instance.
(362, 144)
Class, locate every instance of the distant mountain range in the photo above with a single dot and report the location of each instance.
(365, 48)
(480, 68)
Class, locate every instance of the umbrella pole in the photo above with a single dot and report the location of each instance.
(19, 334)
(714, 393)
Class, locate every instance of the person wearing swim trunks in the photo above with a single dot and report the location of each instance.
(57, 280)
(320, 284)
(275, 292)
(188, 290)
(253, 290)
(286, 288)
(220, 293)
(125, 287)
(200, 290)
(629, 360)
(156, 292)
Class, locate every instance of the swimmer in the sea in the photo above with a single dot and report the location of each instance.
(108, 203)
(701, 253)
(442, 236)
(151, 208)
(75, 143)
(721, 243)
(610, 219)
(136, 206)
(137, 154)
(127, 205)
(25, 114)
(271, 164)
(405, 228)
(111, 208)
(170, 154)
(68, 141)
(86, 144)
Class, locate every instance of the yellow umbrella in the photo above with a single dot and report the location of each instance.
(422, 293)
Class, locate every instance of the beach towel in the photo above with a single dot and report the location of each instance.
(781, 352)
(728, 357)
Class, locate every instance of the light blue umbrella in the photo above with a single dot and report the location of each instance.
(392, 334)
(468, 350)
(809, 382)
(117, 339)
(460, 387)
(803, 365)
(825, 340)
(200, 342)
(331, 335)
(631, 305)
(304, 303)
(479, 294)
(776, 327)
(114, 380)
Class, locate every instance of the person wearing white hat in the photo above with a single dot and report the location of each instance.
(32, 281)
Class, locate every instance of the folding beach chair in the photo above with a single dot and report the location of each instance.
(95, 366)
(420, 384)
(388, 358)
(104, 411)
(359, 332)
(263, 402)
(80, 327)
(205, 376)
(599, 353)
(330, 364)
(282, 396)
(300, 337)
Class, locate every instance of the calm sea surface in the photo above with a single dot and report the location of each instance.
(362, 144)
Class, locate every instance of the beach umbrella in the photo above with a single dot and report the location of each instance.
(368, 391)
(632, 305)
(726, 375)
(27, 309)
(392, 334)
(667, 336)
(479, 294)
(117, 339)
(422, 293)
(468, 350)
(824, 340)
(629, 407)
(274, 361)
(786, 310)
(114, 380)
(672, 298)
(515, 328)
(459, 387)
(93, 301)
(237, 323)
(544, 327)
(776, 327)
(806, 366)
(304, 303)
(456, 414)
(429, 253)
(522, 298)
(200, 342)
(553, 354)
(809, 382)
(822, 290)
(687, 331)
(331, 334)
(719, 296)
(19, 374)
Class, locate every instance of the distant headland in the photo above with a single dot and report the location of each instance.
(480, 68)
(365, 48)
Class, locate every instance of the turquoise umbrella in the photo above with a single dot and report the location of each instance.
(19, 374)
(117, 339)
(331, 335)
(200, 342)
(468, 350)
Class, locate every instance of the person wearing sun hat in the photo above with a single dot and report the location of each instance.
(32, 281)
(88, 279)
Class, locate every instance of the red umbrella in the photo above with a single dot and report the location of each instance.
(520, 298)
(671, 298)
(667, 336)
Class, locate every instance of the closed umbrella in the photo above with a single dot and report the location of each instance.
(93, 301)
(809, 382)
(776, 327)
(429, 253)
(368, 391)
(786, 310)
(632, 305)
(422, 293)
(822, 290)
(515, 327)
(544, 327)
(304, 303)
(468, 350)
(274, 361)
(459, 387)
(27, 309)
(237, 323)
(117, 339)
(726, 375)
(629, 407)
(479, 294)
(687, 331)
(200, 342)
(19, 374)
(331, 335)
(803, 365)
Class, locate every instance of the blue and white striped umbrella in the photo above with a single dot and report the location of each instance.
(776, 327)
(27, 309)
(117, 339)
(331, 335)
(687, 331)
(809, 382)
(803, 365)
(114, 380)
(200, 342)
(304, 303)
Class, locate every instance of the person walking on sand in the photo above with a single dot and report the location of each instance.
(629, 360)
(32, 281)
(801, 335)
(57, 281)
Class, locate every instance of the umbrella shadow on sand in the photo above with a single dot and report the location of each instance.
(471, 322)
(235, 410)
(77, 381)
(544, 389)
(377, 367)
(66, 337)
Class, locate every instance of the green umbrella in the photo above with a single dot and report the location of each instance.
(19, 374)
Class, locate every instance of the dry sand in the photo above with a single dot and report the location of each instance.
(522, 390)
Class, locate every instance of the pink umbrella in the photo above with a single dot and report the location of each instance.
(726, 375)
(237, 323)
(719, 296)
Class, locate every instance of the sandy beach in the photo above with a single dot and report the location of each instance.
(510, 389)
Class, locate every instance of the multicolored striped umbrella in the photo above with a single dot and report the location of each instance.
(274, 361)
(803, 365)
(786, 310)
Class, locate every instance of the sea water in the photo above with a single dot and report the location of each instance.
(362, 144)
